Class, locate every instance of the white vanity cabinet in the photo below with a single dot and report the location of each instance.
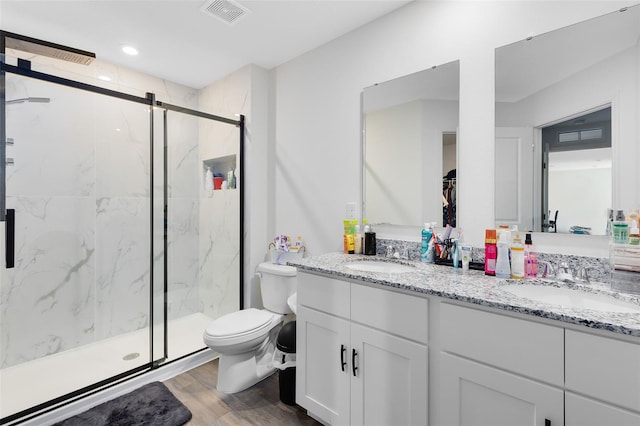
(361, 353)
(499, 370)
(602, 381)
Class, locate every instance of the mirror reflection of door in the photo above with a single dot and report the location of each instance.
(514, 177)
(577, 174)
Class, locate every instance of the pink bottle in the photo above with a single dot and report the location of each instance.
(490, 252)
(530, 261)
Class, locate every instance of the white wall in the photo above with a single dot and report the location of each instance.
(317, 105)
(581, 197)
(393, 170)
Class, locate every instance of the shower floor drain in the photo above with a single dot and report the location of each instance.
(129, 357)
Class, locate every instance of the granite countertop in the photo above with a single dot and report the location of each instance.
(477, 288)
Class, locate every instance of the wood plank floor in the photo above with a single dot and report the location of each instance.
(258, 405)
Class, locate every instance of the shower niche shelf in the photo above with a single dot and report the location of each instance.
(222, 165)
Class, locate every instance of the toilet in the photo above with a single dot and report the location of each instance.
(246, 339)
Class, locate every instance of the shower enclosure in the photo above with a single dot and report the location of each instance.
(117, 255)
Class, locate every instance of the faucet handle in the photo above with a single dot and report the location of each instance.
(548, 270)
(389, 252)
(582, 274)
(405, 253)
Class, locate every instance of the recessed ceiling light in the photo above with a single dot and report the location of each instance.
(130, 50)
(104, 78)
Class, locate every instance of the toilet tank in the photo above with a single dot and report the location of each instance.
(277, 283)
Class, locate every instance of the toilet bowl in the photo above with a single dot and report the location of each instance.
(245, 340)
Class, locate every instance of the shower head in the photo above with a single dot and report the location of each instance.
(45, 48)
(34, 100)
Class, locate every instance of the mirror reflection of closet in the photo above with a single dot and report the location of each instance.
(408, 125)
(449, 190)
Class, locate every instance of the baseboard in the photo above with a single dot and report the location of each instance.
(160, 374)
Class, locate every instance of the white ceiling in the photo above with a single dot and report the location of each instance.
(179, 42)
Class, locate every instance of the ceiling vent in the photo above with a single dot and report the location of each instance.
(226, 10)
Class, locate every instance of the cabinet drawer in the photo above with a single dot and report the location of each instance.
(396, 313)
(323, 294)
(523, 347)
(604, 368)
(581, 411)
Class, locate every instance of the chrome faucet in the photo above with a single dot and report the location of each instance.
(564, 272)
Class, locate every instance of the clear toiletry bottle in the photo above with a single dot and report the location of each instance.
(530, 258)
(358, 239)
(427, 233)
(634, 234)
(503, 268)
(208, 180)
(517, 257)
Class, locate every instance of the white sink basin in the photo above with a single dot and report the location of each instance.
(570, 298)
(378, 266)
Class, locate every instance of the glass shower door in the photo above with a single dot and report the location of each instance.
(75, 310)
(203, 226)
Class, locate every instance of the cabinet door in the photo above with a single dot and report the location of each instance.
(617, 383)
(322, 370)
(478, 395)
(581, 411)
(389, 383)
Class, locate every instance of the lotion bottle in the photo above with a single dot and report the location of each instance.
(503, 269)
(517, 257)
(634, 234)
(208, 180)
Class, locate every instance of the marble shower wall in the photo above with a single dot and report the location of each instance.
(219, 229)
(80, 187)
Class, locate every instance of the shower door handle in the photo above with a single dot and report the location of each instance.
(10, 236)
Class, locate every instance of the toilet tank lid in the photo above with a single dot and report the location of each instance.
(275, 269)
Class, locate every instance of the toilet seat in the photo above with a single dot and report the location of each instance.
(240, 326)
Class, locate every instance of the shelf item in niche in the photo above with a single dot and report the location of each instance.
(208, 179)
(231, 179)
(218, 178)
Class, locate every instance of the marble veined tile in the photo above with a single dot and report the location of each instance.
(123, 263)
(48, 301)
(53, 150)
(182, 255)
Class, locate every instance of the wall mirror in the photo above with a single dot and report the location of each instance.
(566, 125)
(409, 148)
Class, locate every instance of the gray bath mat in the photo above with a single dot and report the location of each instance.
(152, 404)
